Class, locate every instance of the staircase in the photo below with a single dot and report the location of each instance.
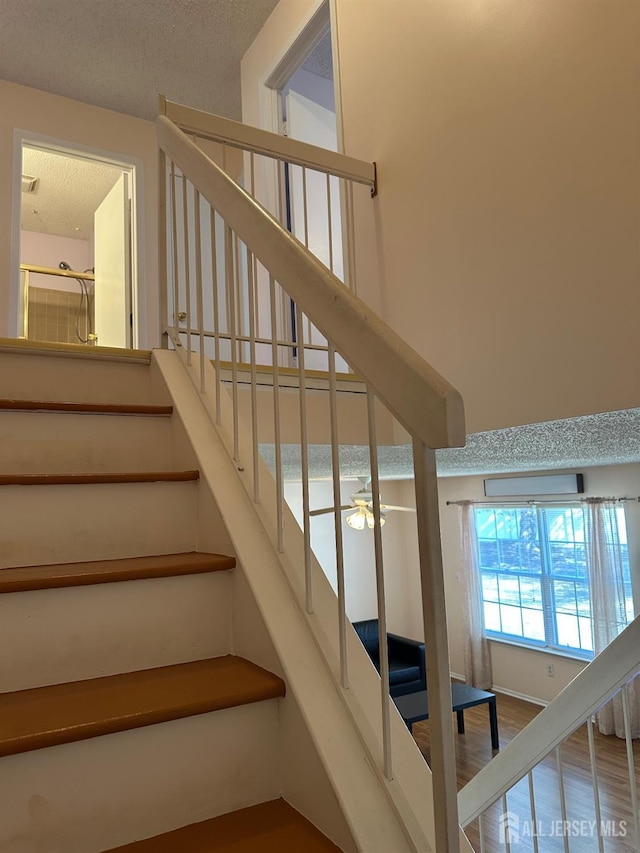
(127, 722)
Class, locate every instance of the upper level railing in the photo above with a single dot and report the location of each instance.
(215, 128)
(240, 289)
(519, 814)
(311, 191)
(424, 403)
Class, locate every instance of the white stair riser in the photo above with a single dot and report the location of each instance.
(56, 635)
(93, 795)
(51, 443)
(59, 524)
(31, 377)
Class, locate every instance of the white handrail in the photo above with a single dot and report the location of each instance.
(422, 400)
(234, 133)
(606, 673)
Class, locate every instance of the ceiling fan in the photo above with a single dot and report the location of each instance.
(362, 504)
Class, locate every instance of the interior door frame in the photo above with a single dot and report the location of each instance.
(300, 43)
(130, 164)
(322, 19)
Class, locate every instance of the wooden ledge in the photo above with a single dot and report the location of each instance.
(85, 408)
(273, 827)
(93, 479)
(24, 347)
(63, 713)
(27, 578)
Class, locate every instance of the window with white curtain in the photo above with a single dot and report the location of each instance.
(535, 576)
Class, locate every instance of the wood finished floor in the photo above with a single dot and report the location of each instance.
(473, 751)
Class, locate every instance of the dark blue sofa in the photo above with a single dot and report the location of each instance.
(407, 672)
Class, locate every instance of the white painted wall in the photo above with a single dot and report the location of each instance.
(81, 125)
(358, 553)
(317, 89)
(506, 139)
(47, 250)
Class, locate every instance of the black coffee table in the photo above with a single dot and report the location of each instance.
(414, 707)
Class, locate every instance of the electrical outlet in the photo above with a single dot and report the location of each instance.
(550, 670)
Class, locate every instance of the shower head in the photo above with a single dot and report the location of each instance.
(63, 265)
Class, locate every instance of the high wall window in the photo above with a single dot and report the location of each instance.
(535, 577)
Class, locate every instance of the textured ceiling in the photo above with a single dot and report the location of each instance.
(121, 54)
(68, 192)
(320, 60)
(612, 438)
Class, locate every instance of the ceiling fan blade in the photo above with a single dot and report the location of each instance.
(328, 509)
(400, 508)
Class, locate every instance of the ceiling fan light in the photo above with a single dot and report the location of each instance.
(356, 520)
(371, 521)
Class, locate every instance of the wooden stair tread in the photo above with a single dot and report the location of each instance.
(92, 479)
(62, 713)
(25, 578)
(273, 827)
(85, 408)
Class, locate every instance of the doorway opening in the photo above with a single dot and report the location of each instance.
(305, 101)
(308, 114)
(76, 250)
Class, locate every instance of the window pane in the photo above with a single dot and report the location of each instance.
(511, 620)
(492, 617)
(488, 556)
(583, 599)
(622, 525)
(564, 595)
(508, 539)
(572, 608)
(533, 621)
(490, 586)
(485, 523)
(509, 589)
(565, 530)
(624, 555)
(586, 638)
(531, 592)
(568, 631)
(511, 565)
(629, 601)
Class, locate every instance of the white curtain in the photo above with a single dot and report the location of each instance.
(608, 606)
(477, 657)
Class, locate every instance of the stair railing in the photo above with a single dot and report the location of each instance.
(532, 792)
(234, 277)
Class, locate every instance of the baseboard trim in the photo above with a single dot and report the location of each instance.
(534, 700)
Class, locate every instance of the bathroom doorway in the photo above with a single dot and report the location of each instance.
(77, 262)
